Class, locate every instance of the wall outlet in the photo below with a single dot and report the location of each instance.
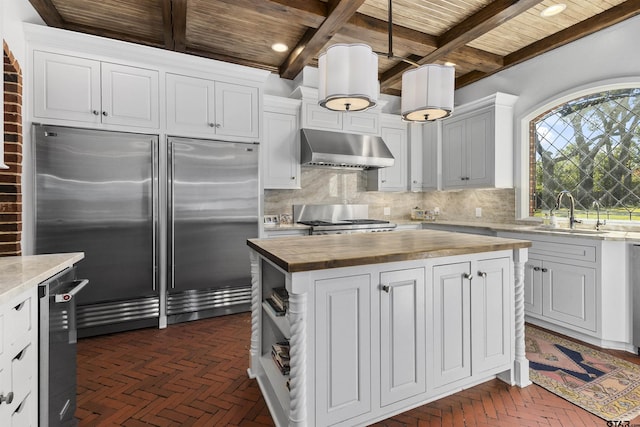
(387, 211)
(478, 212)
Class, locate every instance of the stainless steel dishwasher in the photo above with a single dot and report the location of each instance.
(635, 283)
(57, 354)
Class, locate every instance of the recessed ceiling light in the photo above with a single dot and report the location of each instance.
(280, 47)
(553, 10)
(450, 64)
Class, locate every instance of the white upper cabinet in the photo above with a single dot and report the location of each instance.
(207, 107)
(84, 90)
(423, 156)
(393, 178)
(477, 144)
(281, 143)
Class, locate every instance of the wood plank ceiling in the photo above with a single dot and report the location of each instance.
(481, 37)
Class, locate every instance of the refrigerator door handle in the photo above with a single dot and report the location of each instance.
(154, 210)
(170, 228)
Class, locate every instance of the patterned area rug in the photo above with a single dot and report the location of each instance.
(602, 384)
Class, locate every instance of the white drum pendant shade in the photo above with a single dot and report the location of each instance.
(348, 77)
(427, 93)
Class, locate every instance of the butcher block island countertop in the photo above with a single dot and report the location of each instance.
(306, 253)
(350, 329)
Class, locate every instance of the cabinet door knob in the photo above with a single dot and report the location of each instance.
(386, 288)
(467, 276)
(8, 398)
(482, 274)
(217, 125)
(536, 268)
(383, 181)
(104, 113)
(293, 178)
(544, 270)
(96, 112)
(212, 125)
(415, 182)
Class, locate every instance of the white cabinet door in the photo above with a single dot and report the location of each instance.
(190, 104)
(533, 286)
(423, 160)
(402, 335)
(236, 110)
(468, 151)
(281, 151)
(129, 96)
(210, 108)
(490, 315)
(317, 117)
(392, 178)
(361, 122)
(451, 323)
(343, 348)
(478, 150)
(66, 88)
(454, 157)
(569, 294)
(84, 90)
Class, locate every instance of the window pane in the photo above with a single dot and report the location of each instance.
(589, 146)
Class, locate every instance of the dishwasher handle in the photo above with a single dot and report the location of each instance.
(68, 296)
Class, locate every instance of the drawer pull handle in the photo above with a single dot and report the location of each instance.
(19, 306)
(467, 276)
(8, 398)
(20, 355)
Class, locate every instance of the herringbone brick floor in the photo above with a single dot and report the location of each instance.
(195, 374)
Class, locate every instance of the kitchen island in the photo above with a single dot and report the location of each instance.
(379, 323)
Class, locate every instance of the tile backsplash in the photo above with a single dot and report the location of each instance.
(336, 186)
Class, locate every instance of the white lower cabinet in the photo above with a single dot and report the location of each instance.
(561, 292)
(343, 343)
(470, 319)
(19, 360)
(402, 335)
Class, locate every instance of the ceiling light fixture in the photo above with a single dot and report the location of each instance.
(279, 47)
(553, 10)
(348, 81)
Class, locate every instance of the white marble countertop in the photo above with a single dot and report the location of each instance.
(19, 273)
(603, 234)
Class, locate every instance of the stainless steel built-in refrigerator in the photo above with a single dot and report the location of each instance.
(96, 192)
(213, 210)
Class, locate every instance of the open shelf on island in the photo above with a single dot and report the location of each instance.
(281, 322)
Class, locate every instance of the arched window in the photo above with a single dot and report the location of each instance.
(589, 146)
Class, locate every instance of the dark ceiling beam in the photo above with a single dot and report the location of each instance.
(309, 13)
(609, 17)
(48, 13)
(167, 26)
(495, 14)
(179, 24)
(339, 12)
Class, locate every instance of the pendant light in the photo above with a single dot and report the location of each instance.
(427, 93)
(348, 77)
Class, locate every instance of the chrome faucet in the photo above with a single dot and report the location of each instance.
(597, 205)
(572, 219)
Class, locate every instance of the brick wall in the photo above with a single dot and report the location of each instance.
(10, 179)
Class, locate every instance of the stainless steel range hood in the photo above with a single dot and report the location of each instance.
(343, 150)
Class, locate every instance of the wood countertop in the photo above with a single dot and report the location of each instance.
(19, 273)
(306, 253)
